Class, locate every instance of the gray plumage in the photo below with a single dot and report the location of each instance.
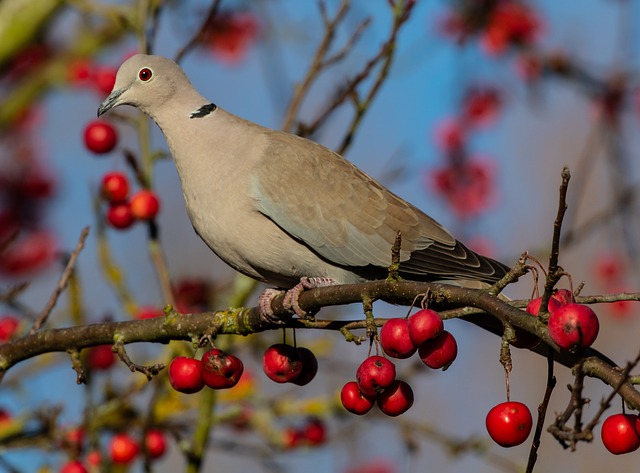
(278, 207)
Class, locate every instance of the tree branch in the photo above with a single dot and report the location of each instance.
(246, 321)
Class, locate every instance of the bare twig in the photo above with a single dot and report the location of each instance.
(160, 263)
(195, 39)
(569, 437)
(554, 271)
(316, 65)
(148, 371)
(542, 411)
(62, 283)
(13, 292)
(76, 364)
(604, 405)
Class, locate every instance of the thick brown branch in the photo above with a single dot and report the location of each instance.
(246, 321)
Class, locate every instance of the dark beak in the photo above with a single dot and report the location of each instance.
(110, 102)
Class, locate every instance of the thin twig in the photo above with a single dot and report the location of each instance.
(316, 65)
(152, 29)
(385, 55)
(542, 411)
(349, 45)
(76, 364)
(148, 371)
(62, 283)
(13, 292)
(160, 263)
(604, 405)
(554, 271)
(195, 39)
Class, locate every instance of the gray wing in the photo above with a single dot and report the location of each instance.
(350, 219)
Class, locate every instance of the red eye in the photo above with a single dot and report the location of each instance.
(145, 74)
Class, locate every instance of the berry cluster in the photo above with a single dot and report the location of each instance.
(571, 326)
(376, 382)
(123, 450)
(101, 137)
(217, 369)
(509, 423)
(123, 211)
(27, 186)
(311, 434)
(284, 363)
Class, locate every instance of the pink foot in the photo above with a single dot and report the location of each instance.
(291, 296)
(264, 304)
(290, 301)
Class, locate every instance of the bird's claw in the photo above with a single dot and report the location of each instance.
(264, 305)
(290, 300)
(291, 296)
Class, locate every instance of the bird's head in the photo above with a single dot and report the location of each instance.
(145, 82)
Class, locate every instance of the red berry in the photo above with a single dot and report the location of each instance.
(221, 370)
(74, 437)
(30, 252)
(74, 466)
(148, 312)
(145, 204)
(292, 438)
(185, 375)
(524, 339)
(282, 363)
(573, 325)
(375, 374)
(79, 72)
(100, 137)
(105, 78)
(315, 432)
(439, 352)
(509, 423)
(424, 325)
(119, 216)
(394, 338)
(558, 299)
(533, 307)
(192, 295)
(354, 401)
(36, 183)
(619, 433)
(563, 296)
(155, 443)
(8, 327)
(101, 357)
(309, 367)
(396, 399)
(94, 458)
(5, 415)
(123, 449)
(115, 186)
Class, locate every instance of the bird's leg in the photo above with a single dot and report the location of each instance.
(290, 301)
(291, 296)
(264, 305)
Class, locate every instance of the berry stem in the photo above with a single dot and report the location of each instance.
(505, 356)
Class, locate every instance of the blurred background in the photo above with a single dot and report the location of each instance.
(469, 109)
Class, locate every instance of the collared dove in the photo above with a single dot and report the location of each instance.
(280, 208)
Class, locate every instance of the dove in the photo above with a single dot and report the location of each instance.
(283, 209)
